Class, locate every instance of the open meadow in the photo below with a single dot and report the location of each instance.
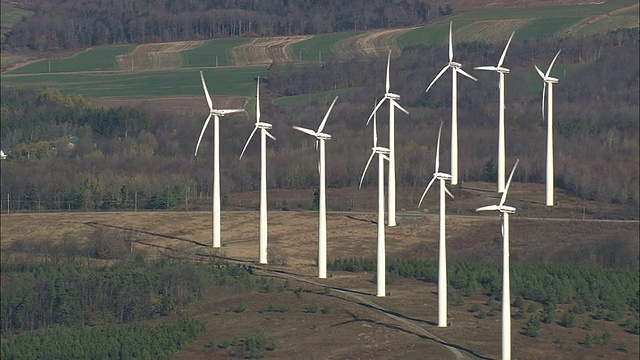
(340, 317)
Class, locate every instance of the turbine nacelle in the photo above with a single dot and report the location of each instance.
(264, 125)
(323, 136)
(220, 113)
(392, 96)
(501, 207)
(381, 150)
(442, 176)
(455, 65)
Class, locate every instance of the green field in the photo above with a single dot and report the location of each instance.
(102, 58)
(10, 14)
(212, 53)
(302, 100)
(493, 25)
(320, 46)
(229, 81)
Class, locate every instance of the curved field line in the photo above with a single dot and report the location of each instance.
(157, 56)
(265, 50)
(489, 30)
(373, 43)
(599, 24)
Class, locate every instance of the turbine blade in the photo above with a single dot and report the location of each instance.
(433, 179)
(504, 53)
(551, 65)
(399, 107)
(269, 134)
(506, 187)
(544, 91)
(258, 100)
(385, 157)
(204, 127)
(248, 140)
(448, 192)
(326, 116)
(488, 68)
(540, 72)
(437, 77)
(365, 168)
(438, 149)
(306, 131)
(375, 109)
(489, 208)
(450, 41)
(206, 92)
(375, 133)
(466, 74)
(230, 111)
(388, 85)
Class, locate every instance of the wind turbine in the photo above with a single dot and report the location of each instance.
(383, 154)
(506, 288)
(548, 80)
(322, 211)
(501, 141)
(456, 68)
(392, 162)
(217, 114)
(442, 252)
(263, 126)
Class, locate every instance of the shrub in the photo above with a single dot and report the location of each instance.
(568, 320)
(312, 308)
(326, 309)
(532, 328)
(475, 308)
(589, 324)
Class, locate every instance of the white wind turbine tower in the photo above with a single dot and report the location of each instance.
(322, 210)
(217, 114)
(392, 162)
(382, 155)
(456, 68)
(501, 141)
(263, 126)
(442, 252)
(548, 80)
(506, 288)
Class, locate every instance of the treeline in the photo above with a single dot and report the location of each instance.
(127, 159)
(136, 341)
(614, 294)
(64, 24)
(44, 295)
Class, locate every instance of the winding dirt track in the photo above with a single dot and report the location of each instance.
(373, 43)
(265, 50)
(157, 56)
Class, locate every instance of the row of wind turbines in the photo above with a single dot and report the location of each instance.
(388, 154)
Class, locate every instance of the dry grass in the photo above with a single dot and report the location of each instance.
(265, 50)
(373, 43)
(354, 328)
(157, 56)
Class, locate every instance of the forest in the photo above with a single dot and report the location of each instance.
(78, 156)
(72, 24)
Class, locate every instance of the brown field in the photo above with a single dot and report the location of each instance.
(265, 50)
(490, 30)
(372, 43)
(158, 56)
(358, 324)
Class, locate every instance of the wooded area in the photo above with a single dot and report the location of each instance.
(62, 24)
(126, 158)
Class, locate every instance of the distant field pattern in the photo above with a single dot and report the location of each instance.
(600, 24)
(265, 50)
(492, 31)
(156, 56)
(372, 43)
